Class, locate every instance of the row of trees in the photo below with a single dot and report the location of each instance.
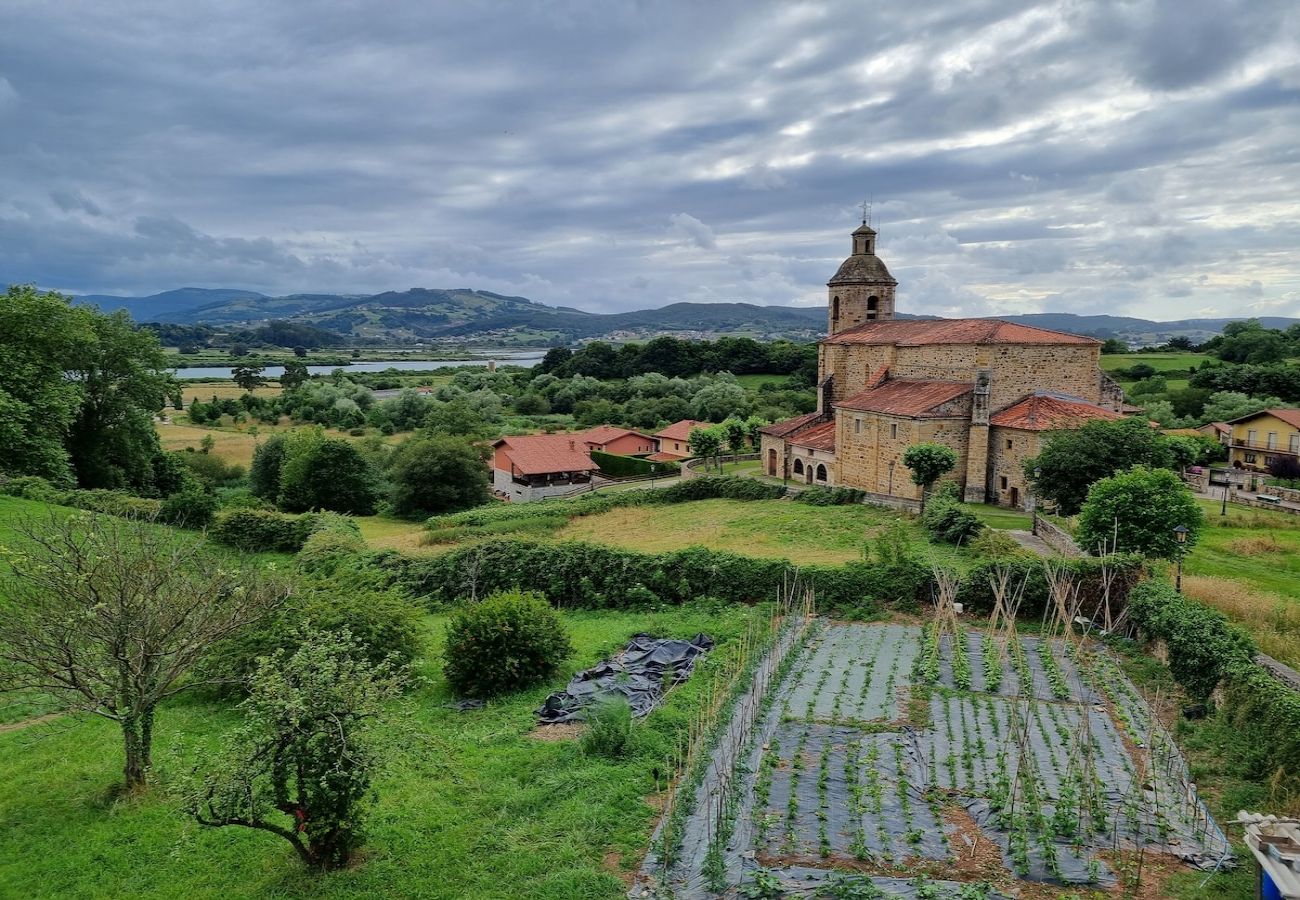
(674, 357)
(78, 391)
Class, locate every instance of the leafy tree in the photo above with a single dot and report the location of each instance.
(248, 378)
(110, 615)
(719, 400)
(928, 463)
(1072, 460)
(326, 473)
(705, 443)
(1137, 511)
(1181, 343)
(437, 475)
(239, 350)
(264, 473)
(1193, 450)
(1113, 345)
(300, 351)
(457, 417)
(735, 434)
(294, 376)
(532, 405)
(1285, 468)
(302, 764)
(1224, 406)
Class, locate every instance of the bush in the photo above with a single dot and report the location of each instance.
(258, 530)
(994, 544)
(506, 642)
(191, 508)
(1137, 511)
(609, 729)
(830, 496)
(440, 474)
(30, 487)
(715, 487)
(264, 473)
(111, 503)
(616, 466)
(951, 522)
(594, 576)
(331, 474)
(1089, 574)
(212, 471)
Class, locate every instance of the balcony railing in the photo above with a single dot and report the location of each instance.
(1255, 445)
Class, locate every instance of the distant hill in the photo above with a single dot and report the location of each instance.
(467, 315)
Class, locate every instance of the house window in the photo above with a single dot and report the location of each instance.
(1272, 440)
(1008, 443)
(893, 431)
(1295, 443)
(857, 425)
(1251, 436)
(1004, 482)
(1251, 457)
(676, 446)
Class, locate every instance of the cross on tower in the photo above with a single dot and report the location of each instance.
(866, 211)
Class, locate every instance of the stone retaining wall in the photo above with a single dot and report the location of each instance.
(1056, 537)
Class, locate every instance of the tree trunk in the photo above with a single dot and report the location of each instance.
(137, 740)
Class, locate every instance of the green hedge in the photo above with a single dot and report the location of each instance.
(1260, 715)
(595, 576)
(260, 530)
(616, 466)
(1127, 569)
(830, 496)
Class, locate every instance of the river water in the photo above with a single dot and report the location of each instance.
(406, 365)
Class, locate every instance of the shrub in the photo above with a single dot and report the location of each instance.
(258, 530)
(1137, 511)
(949, 521)
(609, 729)
(1089, 574)
(191, 508)
(995, 544)
(112, 503)
(503, 643)
(332, 474)
(211, 470)
(440, 474)
(30, 487)
(830, 496)
(616, 466)
(264, 473)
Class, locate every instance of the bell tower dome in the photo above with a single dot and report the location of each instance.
(862, 290)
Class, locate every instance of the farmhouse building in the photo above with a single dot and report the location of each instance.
(621, 441)
(986, 388)
(532, 466)
(1260, 439)
(672, 442)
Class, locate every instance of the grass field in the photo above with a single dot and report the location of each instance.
(1161, 362)
(754, 382)
(472, 806)
(223, 390)
(235, 444)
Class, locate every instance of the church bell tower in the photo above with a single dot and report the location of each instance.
(862, 290)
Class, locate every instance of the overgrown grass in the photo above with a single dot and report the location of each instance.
(1002, 517)
(1256, 547)
(473, 806)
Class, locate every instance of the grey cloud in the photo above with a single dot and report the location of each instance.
(1054, 155)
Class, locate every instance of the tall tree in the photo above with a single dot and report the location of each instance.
(1071, 461)
(437, 475)
(248, 378)
(110, 615)
(1137, 511)
(295, 375)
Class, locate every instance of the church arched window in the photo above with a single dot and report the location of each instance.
(798, 467)
(835, 307)
(821, 472)
(872, 303)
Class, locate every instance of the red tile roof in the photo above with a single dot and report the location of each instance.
(664, 457)
(789, 426)
(603, 434)
(543, 454)
(1044, 412)
(907, 397)
(1289, 416)
(917, 332)
(681, 431)
(820, 436)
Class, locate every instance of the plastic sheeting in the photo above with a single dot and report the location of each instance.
(641, 673)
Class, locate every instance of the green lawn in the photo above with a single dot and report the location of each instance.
(1161, 362)
(754, 382)
(1257, 547)
(472, 805)
(1002, 517)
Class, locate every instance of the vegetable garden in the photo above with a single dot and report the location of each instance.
(872, 760)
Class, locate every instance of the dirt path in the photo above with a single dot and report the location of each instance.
(27, 723)
(1031, 542)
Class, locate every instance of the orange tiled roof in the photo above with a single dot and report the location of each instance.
(1289, 416)
(917, 332)
(789, 426)
(663, 457)
(603, 434)
(681, 431)
(542, 454)
(820, 436)
(1046, 411)
(907, 397)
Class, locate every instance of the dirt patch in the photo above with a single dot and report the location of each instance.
(612, 862)
(27, 723)
(563, 731)
(975, 857)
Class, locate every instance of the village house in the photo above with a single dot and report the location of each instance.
(1260, 438)
(673, 441)
(986, 388)
(533, 466)
(621, 441)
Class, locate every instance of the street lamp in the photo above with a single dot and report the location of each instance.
(1180, 535)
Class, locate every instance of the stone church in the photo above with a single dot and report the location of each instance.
(987, 388)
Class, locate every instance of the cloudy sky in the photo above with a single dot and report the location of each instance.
(1134, 158)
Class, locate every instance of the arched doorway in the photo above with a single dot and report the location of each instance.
(798, 467)
(771, 462)
(821, 472)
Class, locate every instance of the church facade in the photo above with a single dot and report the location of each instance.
(987, 388)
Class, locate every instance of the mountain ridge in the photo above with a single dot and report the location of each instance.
(445, 314)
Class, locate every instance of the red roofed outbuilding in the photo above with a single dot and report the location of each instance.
(532, 466)
(674, 441)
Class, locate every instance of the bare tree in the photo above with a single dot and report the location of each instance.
(110, 614)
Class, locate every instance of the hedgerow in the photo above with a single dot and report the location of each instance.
(617, 466)
(830, 496)
(1089, 574)
(260, 530)
(595, 576)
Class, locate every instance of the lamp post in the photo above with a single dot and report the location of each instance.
(1224, 510)
(891, 476)
(1180, 535)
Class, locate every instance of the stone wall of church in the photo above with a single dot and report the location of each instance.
(1017, 369)
(854, 304)
(1008, 450)
(867, 443)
